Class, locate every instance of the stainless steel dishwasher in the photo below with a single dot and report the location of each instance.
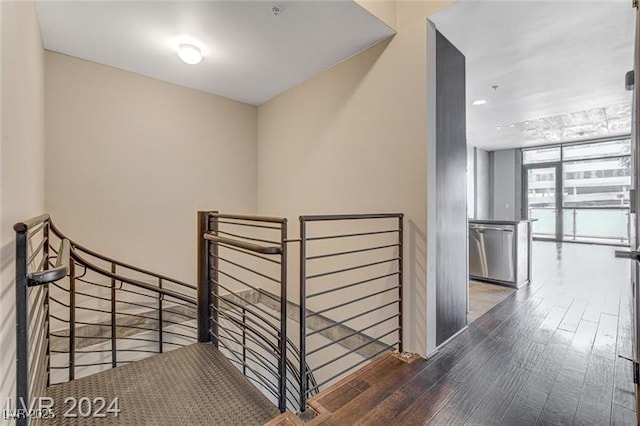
(498, 251)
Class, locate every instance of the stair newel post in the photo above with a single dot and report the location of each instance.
(45, 254)
(114, 349)
(22, 324)
(207, 280)
(400, 281)
(303, 316)
(282, 364)
(160, 319)
(72, 320)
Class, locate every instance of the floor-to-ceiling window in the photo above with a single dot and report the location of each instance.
(579, 191)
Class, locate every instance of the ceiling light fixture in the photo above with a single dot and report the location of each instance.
(189, 54)
(478, 102)
(499, 127)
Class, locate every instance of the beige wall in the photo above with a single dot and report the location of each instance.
(354, 140)
(21, 157)
(130, 160)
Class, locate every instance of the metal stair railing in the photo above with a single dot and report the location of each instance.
(351, 269)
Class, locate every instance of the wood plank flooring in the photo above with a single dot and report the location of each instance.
(546, 355)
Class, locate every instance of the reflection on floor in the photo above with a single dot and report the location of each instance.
(546, 355)
(484, 296)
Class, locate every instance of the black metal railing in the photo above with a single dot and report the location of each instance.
(96, 312)
(34, 270)
(350, 293)
(242, 300)
(80, 312)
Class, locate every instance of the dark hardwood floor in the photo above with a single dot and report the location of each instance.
(548, 354)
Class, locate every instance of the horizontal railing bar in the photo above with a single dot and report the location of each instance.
(249, 309)
(262, 360)
(250, 253)
(30, 223)
(175, 333)
(242, 244)
(253, 225)
(349, 352)
(59, 302)
(83, 308)
(227, 330)
(246, 269)
(57, 318)
(333, 342)
(133, 282)
(342, 253)
(338, 323)
(353, 301)
(149, 295)
(92, 364)
(331, 290)
(270, 346)
(334, 217)
(189, 317)
(267, 384)
(253, 359)
(357, 234)
(271, 333)
(352, 268)
(137, 339)
(246, 284)
(351, 367)
(104, 351)
(248, 217)
(97, 255)
(59, 287)
(244, 300)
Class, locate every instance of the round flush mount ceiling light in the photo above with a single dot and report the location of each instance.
(189, 54)
(479, 102)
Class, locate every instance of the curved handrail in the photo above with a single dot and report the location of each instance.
(131, 281)
(97, 255)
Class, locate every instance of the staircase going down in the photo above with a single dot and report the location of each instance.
(191, 385)
(102, 341)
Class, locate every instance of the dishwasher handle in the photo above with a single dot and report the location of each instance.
(482, 228)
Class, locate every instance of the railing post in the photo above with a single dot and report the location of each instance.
(22, 323)
(303, 315)
(204, 281)
(575, 213)
(400, 279)
(45, 253)
(72, 319)
(282, 341)
(114, 348)
(244, 341)
(160, 319)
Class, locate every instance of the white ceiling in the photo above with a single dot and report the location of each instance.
(559, 66)
(250, 54)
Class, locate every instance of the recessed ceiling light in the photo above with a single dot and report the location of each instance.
(478, 102)
(189, 54)
(499, 127)
(512, 125)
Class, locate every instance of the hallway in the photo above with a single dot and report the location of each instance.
(546, 355)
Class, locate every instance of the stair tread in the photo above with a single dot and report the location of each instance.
(191, 385)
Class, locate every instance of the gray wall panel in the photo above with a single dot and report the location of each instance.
(451, 195)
